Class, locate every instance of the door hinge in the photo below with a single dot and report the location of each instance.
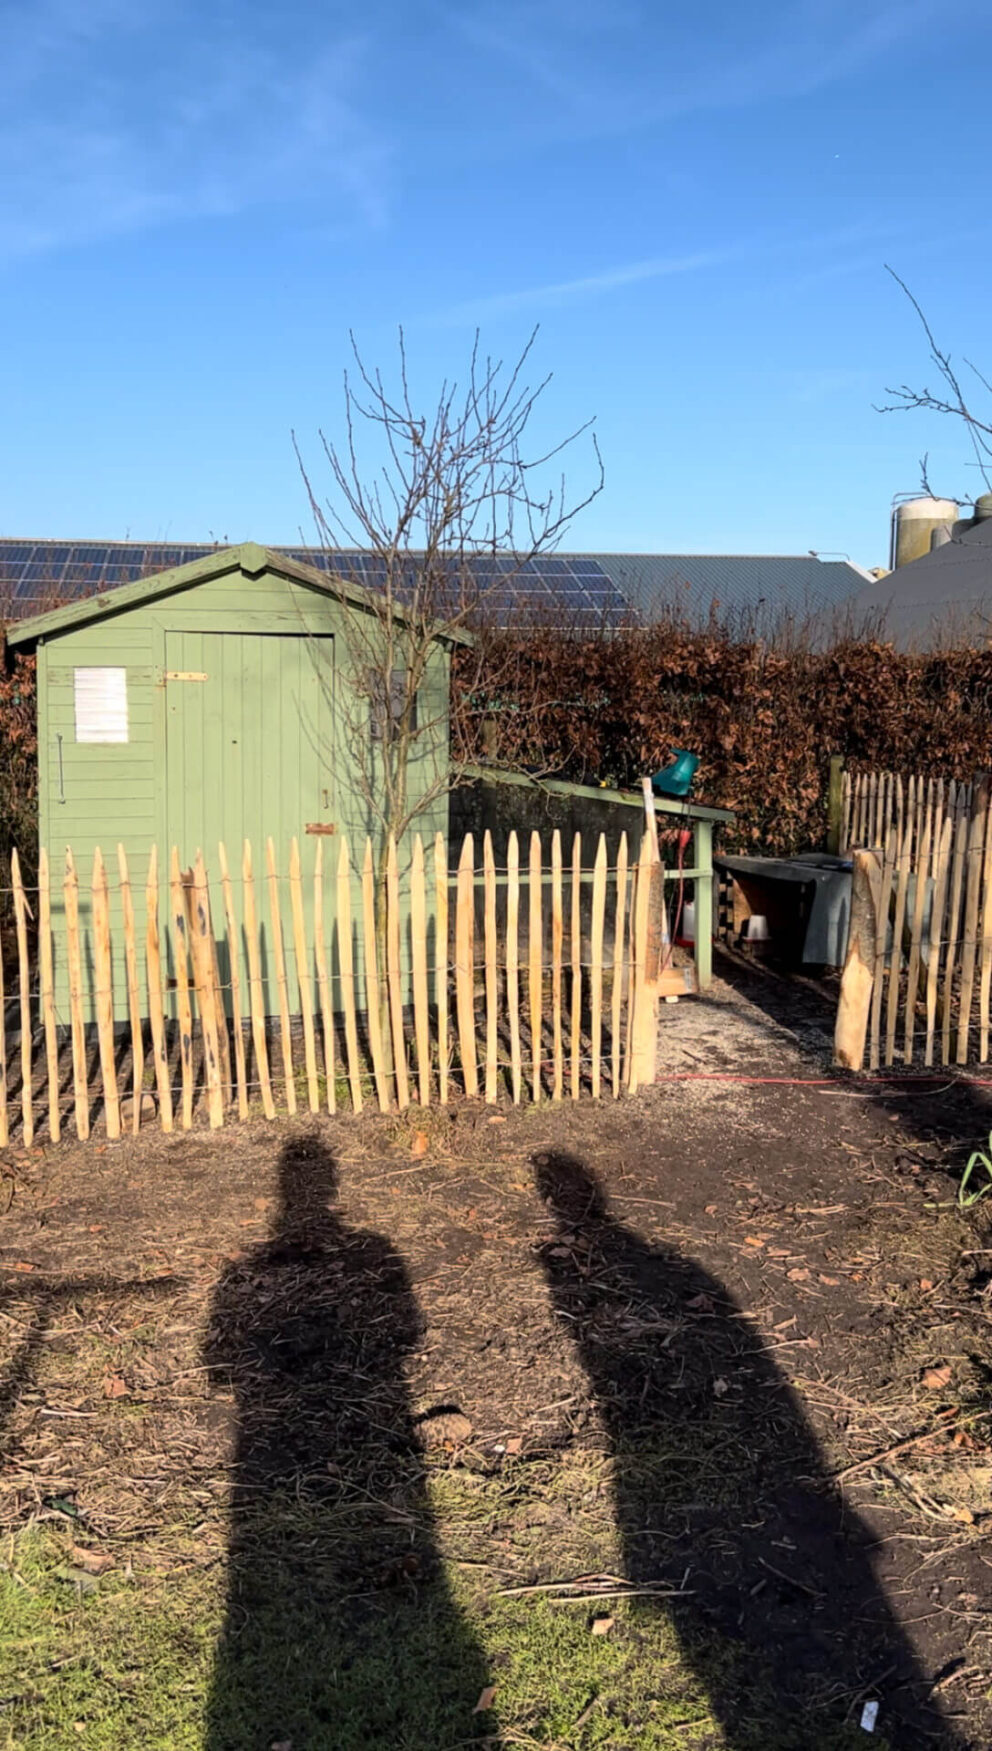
(324, 828)
(184, 675)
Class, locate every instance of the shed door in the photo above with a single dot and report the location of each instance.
(248, 749)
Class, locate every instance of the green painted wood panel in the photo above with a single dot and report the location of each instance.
(261, 747)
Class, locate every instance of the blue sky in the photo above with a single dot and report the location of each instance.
(197, 201)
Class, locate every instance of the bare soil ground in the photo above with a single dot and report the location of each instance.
(663, 1422)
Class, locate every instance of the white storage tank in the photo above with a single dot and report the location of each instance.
(915, 523)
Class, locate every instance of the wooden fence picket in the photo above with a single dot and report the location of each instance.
(969, 944)
(346, 965)
(922, 861)
(323, 983)
(195, 885)
(596, 963)
(513, 962)
(303, 979)
(441, 928)
(256, 1002)
(953, 922)
(184, 1008)
(74, 965)
(394, 974)
(936, 938)
(234, 971)
(219, 980)
(491, 967)
(282, 988)
(418, 951)
(465, 965)
(24, 991)
(557, 944)
(535, 971)
(373, 990)
(104, 994)
(576, 969)
(46, 985)
(153, 973)
(4, 1114)
(903, 854)
(616, 995)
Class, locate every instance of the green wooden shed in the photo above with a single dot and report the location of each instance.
(213, 702)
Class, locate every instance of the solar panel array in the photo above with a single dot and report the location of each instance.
(36, 575)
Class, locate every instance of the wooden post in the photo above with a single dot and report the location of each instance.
(703, 859)
(969, 947)
(845, 818)
(648, 936)
(4, 1114)
(373, 1016)
(835, 805)
(465, 965)
(557, 943)
(394, 974)
(184, 1008)
(513, 962)
(24, 985)
(133, 1000)
(858, 976)
(953, 928)
(195, 884)
(46, 983)
(895, 961)
(279, 960)
(303, 974)
(596, 959)
(80, 1078)
(616, 994)
(256, 1000)
(937, 910)
(346, 963)
(418, 953)
(534, 957)
(491, 966)
(575, 1039)
(916, 933)
(441, 900)
(985, 972)
(153, 968)
(103, 974)
(323, 983)
(233, 957)
(890, 858)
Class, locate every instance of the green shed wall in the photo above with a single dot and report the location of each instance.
(94, 794)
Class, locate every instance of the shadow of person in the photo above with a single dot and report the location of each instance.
(340, 1630)
(721, 1493)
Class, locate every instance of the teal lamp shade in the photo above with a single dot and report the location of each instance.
(676, 779)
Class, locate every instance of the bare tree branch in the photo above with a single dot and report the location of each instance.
(953, 401)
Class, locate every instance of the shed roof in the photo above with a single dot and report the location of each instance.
(248, 557)
(945, 596)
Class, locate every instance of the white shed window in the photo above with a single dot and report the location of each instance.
(101, 705)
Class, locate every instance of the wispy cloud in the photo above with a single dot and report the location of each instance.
(611, 69)
(558, 292)
(123, 114)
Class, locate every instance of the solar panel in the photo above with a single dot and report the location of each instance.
(37, 573)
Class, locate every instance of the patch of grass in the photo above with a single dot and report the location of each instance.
(332, 1661)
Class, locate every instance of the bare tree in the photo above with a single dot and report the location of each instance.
(444, 511)
(951, 399)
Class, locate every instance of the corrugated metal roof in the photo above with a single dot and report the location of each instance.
(732, 584)
(945, 597)
(586, 587)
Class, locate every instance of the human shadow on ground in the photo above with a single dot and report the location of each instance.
(340, 1629)
(722, 1495)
